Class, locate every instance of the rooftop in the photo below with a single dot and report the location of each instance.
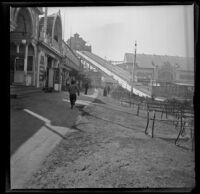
(148, 61)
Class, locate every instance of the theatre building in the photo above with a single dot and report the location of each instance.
(23, 45)
(50, 67)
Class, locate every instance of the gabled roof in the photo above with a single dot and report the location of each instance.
(147, 61)
(50, 20)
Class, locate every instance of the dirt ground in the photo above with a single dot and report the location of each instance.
(110, 150)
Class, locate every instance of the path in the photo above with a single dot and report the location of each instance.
(34, 150)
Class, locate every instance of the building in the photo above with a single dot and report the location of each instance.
(160, 69)
(50, 52)
(168, 76)
(24, 23)
(38, 55)
(78, 44)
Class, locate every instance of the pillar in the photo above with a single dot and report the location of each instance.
(35, 62)
(25, 63)
(38, 70)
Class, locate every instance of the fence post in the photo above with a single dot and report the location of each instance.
(193, 140)
(180, 128)
(147, 121)
(162, 113)
(166, 111)
(138, 109)
(153, 123)
(178, 118)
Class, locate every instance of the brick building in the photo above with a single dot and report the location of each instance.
(77, 43)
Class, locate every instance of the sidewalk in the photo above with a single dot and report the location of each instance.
(38, 124)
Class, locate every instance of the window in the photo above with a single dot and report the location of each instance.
(30, 63)
(19, 64)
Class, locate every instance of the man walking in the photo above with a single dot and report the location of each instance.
(72, 93)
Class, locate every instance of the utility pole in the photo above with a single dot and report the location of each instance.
(133, 70)
(45, 23)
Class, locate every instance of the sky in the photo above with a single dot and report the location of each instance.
(112, 31)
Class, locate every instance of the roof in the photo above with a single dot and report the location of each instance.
(185, 84)
(147, 61)
(50, 20)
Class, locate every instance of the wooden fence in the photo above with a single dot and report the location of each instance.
(182, 113)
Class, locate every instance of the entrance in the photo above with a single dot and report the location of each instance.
(50, 73)
(21, 35)
(19, 70)
(19, 65)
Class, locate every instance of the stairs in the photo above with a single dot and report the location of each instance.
(17, 90)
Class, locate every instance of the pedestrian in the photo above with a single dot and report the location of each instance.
(73, 89)
(86, 87)
(108, 89)
(105, 91)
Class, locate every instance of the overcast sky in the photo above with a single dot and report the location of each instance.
(112, 31)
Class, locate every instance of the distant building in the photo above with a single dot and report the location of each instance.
(163, 69)
(71, 63)
(78, 44)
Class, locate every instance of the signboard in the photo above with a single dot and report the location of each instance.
(42, 73)
(50, 81)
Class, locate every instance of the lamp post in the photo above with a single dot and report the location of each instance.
(133, 70)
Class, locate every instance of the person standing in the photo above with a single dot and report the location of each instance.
(86, 87)
(105, 91)
(108, 89)
(73, 89)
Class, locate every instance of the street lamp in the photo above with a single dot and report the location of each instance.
(133, 70)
